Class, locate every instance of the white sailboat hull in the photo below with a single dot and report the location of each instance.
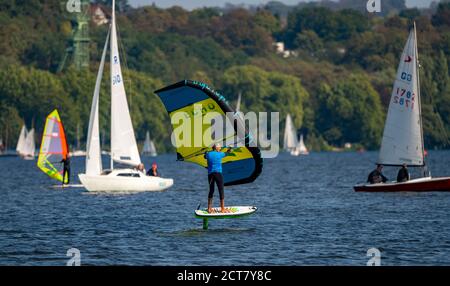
(298, 153)
(77, 153)
(28, 157)
(124, 180)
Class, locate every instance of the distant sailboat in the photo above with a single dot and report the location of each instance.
(402, 141)
(300, 149)
(29, 149)
(149, 148)
(2, 147)
(124, 149)
(54, 147)
(21, 142)
(238, 103)
(290, 135)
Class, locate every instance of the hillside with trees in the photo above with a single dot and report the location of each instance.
(335, 82)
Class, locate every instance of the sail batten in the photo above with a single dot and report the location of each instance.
(402, 141)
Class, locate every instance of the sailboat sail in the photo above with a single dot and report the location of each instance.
(402, 141)
(21, 142)
(244, 164)
(238, 104)
(301, 147)
(93, 151)
(149, 146)
(53, 147)
(123, 142)
(29, 146)
(290, 135)
(152, 148)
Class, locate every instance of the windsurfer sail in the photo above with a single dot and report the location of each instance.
(53, 148)
(245, 163)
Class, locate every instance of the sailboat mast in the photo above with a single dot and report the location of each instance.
(111, 60)
(238, 104)
(78, 136)
(418, 91)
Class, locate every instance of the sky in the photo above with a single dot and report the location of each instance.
(191, 4)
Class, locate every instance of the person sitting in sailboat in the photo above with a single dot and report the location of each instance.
(376, 176)
(403, 174)
(154, 171)
(140, 168)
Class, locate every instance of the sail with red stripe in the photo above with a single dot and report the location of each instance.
(53, 147)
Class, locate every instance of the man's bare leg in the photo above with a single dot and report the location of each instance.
(222, 206)
(210, 201)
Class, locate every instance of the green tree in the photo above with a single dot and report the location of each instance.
(268, 21)
(309, 42)
(442, 15)
(35, 94)
(327, 24)
(350, 111)
(266, 91)
(410, 14)
(237, 29)
(10, 124)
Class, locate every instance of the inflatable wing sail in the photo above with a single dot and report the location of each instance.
(182, 99)
(53, 147)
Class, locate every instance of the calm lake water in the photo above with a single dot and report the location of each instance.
(308, 215)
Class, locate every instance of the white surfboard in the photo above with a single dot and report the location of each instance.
(234, 211)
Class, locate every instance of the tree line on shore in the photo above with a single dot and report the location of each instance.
(335, 81)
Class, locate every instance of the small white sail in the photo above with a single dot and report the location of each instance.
(93, 151)
(290, 135)
(30, 146)
(149, 147)
(21, 142)
(123, 142)
(402, 138)
(301, 146)
(152, 149)
(262, 129)
(238, 104)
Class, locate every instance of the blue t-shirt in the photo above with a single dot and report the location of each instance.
(214, 159)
